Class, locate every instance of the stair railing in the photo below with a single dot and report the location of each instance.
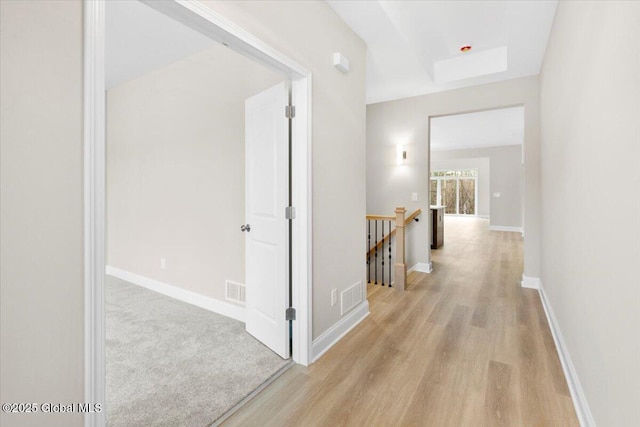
(380, 248)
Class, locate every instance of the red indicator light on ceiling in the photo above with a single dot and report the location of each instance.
(465, 48)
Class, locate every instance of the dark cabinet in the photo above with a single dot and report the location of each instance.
(437, 226)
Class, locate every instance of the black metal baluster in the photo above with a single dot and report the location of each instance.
(368, 251)
(390, 254)
(382, 275)
(376, 253)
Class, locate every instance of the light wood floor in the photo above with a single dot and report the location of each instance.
(463, 346)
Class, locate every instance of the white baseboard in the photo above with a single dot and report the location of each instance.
(334, 334)
(504, 228)
(484, 216)
(585, 417)
(530, 282)
(422, 267)
(181, 294)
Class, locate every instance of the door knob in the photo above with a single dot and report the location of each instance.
(246, 228)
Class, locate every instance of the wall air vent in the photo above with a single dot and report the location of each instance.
(235, 292)
(350, 297)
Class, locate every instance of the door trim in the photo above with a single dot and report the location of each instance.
(197, 16)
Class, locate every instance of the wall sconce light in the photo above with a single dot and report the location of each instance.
(401, 154)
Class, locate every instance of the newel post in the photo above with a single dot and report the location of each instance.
(400, 267)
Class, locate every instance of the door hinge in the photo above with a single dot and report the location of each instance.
(290, 212)
(289, 111)
(290, 314)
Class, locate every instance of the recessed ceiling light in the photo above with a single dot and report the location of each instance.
(465, 48)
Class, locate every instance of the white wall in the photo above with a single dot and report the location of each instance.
(505, 178)
(41, 210)
(407, 120)
(175, 170)
(591, 199)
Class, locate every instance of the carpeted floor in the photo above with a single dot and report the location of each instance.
(173, 364)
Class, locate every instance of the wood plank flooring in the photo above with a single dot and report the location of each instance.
(463, 346)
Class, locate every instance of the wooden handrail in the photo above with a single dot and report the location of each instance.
(381, 217)
(393, 232)
(412, 216)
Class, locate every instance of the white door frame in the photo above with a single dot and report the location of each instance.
(201, 18)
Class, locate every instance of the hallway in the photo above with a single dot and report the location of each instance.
(463, 346)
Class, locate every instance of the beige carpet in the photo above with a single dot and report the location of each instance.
(173, 364)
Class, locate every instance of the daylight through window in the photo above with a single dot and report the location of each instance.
(455, 189)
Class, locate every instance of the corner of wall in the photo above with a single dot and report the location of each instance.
(331, 336)
(422, 267)
(530, 282)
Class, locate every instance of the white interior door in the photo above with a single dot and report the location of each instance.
(266, 235)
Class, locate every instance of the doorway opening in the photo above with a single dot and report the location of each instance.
(193, 172)
(476, 176)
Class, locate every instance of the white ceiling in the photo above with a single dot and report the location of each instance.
(134, 49)
(414, 46)
(476, 130)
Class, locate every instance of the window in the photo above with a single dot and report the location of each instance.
(454, 189)
(433, 192)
